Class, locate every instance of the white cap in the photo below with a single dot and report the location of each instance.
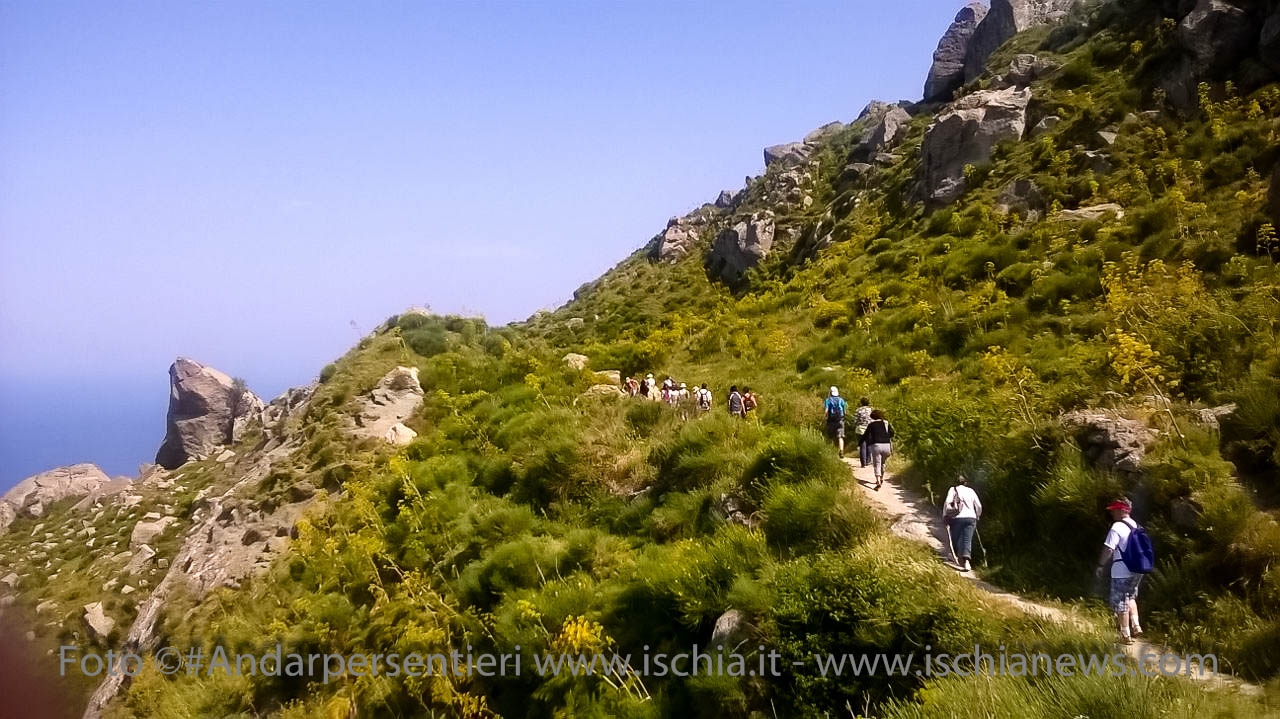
(835, 392)
(683, 385)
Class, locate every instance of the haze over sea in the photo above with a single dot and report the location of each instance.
(257, 185)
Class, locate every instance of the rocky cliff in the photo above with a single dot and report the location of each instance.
(206, 408)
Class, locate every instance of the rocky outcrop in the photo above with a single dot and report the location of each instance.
(146, 532)
(34, 494)
(1006, 19)
(1024, 70)
(393, 400)
(575, 361)
(791, 154)
(947, 72)
(731, 630)
(1091, 213)
(1110, 441)
(399, 435)
(824, 133)
(676, 241)
(97, 624)
(741, 247)
(965, 134)
(206, 409)
(1216, 36)
(885, 133)
(724, 200)
(282, 415)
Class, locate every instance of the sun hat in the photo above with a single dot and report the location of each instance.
(1120, 504)
(835, 391)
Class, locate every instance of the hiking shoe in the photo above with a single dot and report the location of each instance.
(1127, 641)
(967, 567)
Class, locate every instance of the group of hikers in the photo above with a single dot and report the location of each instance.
(741, 404)
(1127, 555)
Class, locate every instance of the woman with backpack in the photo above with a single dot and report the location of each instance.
(960, 514)
(879, 439)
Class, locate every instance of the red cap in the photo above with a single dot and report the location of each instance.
(1120, 504)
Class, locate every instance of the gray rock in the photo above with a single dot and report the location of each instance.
(1024, 70)
(1006, 19)
(301, 492)
(886, 132)
(146, 532)
(610, 376)
(1110, 441)
(735, 511)
(575, 361)
(965, 133)
(394, 399)
(1093, 212)
(1099, 163)
(823, 133)
(1022, 196)
(32, 495)
(1217, 36)
(731, 630)
(47, 605)
(677, 240)
(96, 622)
(740, 247)
(399, 435)
(1106, 137)
(142, 557)
(946, 74)
(604, 390)
(791, 154)
(855, 170)
(10, 580)
(204, 406)
(1212, 416)
(724, 199)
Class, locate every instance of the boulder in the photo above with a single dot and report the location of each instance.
(204, 406)
(791, 154)
(1022, 196)
(32, 495)
(731, 630)
(1005, 19)
(1110, 441)
(393, 400)
(676, 240)
(946, 74)
(1047, 123)
(142, 556)
(1106, 138)
(1024, 70)
(96, 623)
(1097, 162)
(740, 247)
(886, 132)
(145, 533)
(1212, 416)
(724, 200)
(823, 133)
(575, 361)
(965, 134)
(604, 390)
(1091, 213)
(610, 376)
(1216, 35)
(399, 435)
(10, 580)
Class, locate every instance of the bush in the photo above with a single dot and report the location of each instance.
(813, 516)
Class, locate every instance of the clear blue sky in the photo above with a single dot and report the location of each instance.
(256, 184)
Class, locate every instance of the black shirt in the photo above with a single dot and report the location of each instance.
(878, 432)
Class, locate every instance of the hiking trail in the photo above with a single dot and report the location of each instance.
(912, 517)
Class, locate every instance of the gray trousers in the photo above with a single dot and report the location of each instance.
(879, 453)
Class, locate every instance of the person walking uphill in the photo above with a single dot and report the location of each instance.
(862, 418)
(834, 408)
(879, 439)
(960, 512)
(1127, 551)
(735, 403)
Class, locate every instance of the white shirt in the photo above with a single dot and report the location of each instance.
(966, 499)
(1117, 539)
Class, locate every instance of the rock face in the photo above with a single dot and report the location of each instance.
(741, 247)
(791, 154)
(947, 72)
(1110, 441)
(205, 406)
(1006, 19)
(964, 134)
(885, 133)
(1024, 70)
(32, 495)
(399, 435)
(1217, 35)
(96, 622)
(675, 241)
(396, 396)
(823, 133)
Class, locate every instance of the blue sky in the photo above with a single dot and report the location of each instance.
(257, 184)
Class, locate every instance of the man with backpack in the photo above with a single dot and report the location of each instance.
(835, 407)
(704, 398)
(749, 401)
(1128, 553)
(735, 402)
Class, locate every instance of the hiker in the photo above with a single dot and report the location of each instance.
(683, 400)
(749, 401)
(667, 388)
(735, 402)
(879, 439)
(835, 407)
(704, 398)
(862, 418)
(632, 386)
(1127, 551)
(644, 388)
(960, 514)
(650, 388)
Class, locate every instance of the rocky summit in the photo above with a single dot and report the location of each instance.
(205, 408)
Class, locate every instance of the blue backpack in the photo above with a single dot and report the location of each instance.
(1138, 554)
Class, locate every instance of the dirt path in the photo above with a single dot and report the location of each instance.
(912, 517)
